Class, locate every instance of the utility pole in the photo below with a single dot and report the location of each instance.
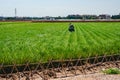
(15, 12)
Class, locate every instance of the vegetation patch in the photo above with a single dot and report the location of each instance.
(112, 71)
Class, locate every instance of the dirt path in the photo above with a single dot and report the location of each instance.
(96, 76)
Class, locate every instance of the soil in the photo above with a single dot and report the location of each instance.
(85, 72)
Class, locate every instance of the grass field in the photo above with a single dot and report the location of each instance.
(21, 42)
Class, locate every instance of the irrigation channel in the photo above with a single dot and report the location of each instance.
(52, 68)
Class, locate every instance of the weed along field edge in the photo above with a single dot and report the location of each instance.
(22, 42)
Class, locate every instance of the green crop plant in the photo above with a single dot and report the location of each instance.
(22, 42)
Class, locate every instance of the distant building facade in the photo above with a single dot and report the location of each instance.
(104, 16)
(90, 16)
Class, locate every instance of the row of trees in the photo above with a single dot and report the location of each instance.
(103, 16)
(115, 17)
(67, 17)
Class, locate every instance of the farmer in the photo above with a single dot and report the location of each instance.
(71, 28)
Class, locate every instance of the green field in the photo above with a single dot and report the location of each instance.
(21, 42)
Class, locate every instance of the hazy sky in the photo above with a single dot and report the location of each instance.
(58, 7)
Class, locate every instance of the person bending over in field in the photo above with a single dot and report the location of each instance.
(71, 28)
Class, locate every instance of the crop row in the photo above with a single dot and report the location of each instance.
(22, 42)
